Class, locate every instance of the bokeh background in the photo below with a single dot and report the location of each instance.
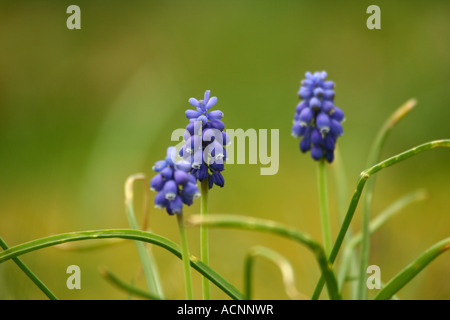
(81, 110)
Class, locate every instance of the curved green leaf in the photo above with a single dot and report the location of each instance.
(232, 221)
(364, 176)
(130, 234)
(407, 274)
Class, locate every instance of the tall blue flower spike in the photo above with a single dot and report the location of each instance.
(205, 141)
(174, 184)
(317, 120)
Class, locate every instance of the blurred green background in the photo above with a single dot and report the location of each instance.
(81, 110)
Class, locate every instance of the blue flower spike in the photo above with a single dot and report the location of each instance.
(205, 140)
(317, 121)
(174, 183)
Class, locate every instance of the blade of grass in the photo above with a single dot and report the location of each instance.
(246, 223)
(30, 273)
(185, 257)
(375, 224)
(147, 259)
(349, 259)
(374, 157)
(280, 261)
(408, 273)
(130, 234)
(364, 176)
(111, 277)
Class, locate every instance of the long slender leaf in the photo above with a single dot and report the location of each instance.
(30, 273)
(147, 259)
(375, 224)
(364, 176)
(111, 277)
(374, 157)
(233, 221)
(407, 274)
(130, 234)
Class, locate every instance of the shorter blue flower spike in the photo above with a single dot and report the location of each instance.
(174, 183)
(317, 121)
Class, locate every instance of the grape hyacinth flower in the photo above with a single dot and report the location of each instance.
(317, 120)
(174, 183)
(205, 141)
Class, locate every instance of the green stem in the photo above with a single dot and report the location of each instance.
(364, 176)
(30, 273)
(204, 242)
(185, 254)
(323, 201)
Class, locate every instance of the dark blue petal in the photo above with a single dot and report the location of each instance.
(306, 116)
(192, 114)
(202, 172)
(297, 129)
(211, 103)
(206, 95)
(190, 127)
(217, 124)
(191, 190)
(183, 165)
(194, 102)
(215, 115)
(318, 92)
(329, 142)
(218, 179)
(210, 182)
(176, 205)
(225, 138)
(327, 106)
(316, 152)
(160, 200)
(300, 106)
(171, 155)
(316, 136)
(167, 173)
(323, 122)
(305, 144)
(217, 166)
(337, 114)
(329, 155)
(197, 160)
(336, 128)
(159, 165)
(328, 85)
(315, 103)
(186, 198)
(304, 93)
(328, 94)
(203, 119)
(157, 183)
(170, 190)
(180, 177)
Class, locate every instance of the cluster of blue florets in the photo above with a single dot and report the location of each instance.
(205, 141)
(317, 120)
(174, 183)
